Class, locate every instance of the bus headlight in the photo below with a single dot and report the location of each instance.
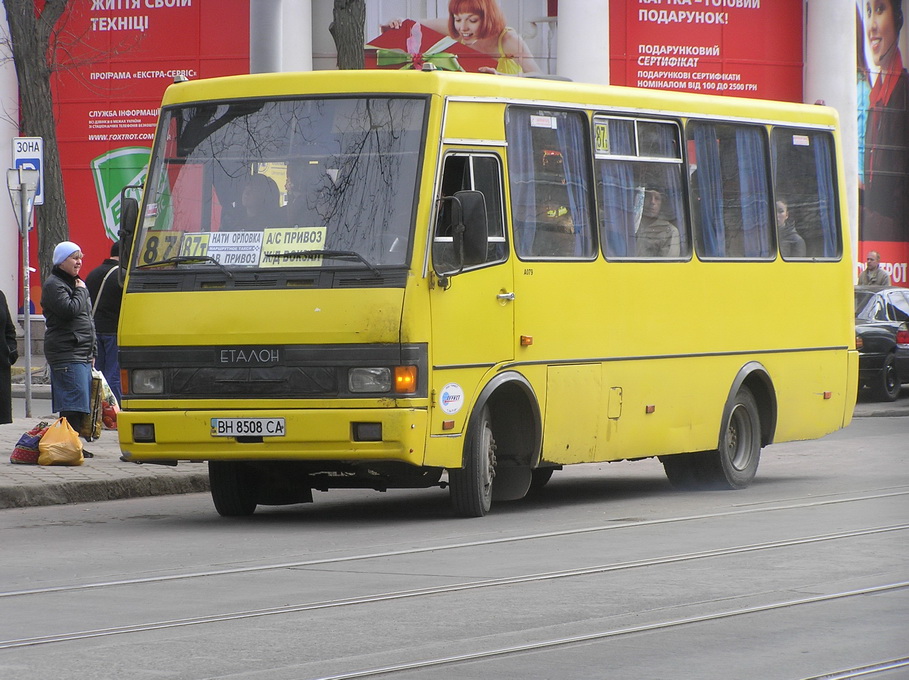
(147, 381)
(369, 379)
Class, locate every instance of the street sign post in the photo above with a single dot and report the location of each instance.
(23, 185)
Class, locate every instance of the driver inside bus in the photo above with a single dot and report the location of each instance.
(259, 206)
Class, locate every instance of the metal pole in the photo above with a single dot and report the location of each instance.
(26, 298)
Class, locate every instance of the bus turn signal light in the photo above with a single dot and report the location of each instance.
(405, 379)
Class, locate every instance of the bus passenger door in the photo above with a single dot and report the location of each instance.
(472, 297)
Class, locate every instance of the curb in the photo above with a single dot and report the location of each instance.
(893, 413)
(38, 391)
(90, 491)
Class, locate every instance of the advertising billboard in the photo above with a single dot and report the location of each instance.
(883, 128)
(120, 56)
(741, 48)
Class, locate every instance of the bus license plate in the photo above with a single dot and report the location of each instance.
(247, 427)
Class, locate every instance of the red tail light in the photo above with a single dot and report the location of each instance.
(902, 337)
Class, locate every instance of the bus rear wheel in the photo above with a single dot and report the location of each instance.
(233, 488)
(471, 486)
(734, 464)
(683, 470)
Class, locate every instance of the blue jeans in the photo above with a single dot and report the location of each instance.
(108, 362)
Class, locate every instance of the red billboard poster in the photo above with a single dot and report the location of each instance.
(883, 128)
(119, 57)
(742, 48)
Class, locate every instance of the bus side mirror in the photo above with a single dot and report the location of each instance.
(129, 217)
(470, 230)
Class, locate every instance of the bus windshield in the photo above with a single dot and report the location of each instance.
(257, 184)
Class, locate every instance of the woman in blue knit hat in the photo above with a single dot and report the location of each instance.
(69, 339)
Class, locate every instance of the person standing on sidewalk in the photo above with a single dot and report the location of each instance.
(8, 356)
(873, 274)
(106, 293)
(69, 341)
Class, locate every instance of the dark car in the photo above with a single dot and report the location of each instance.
(882, 339)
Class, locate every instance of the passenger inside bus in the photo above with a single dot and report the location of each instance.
(656, 236)
(791, 244)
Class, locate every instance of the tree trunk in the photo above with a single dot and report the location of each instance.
(30, 32)
(349, 32)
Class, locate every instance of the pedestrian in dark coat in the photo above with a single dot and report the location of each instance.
(9, 354)
(106, 293)
(69, 339)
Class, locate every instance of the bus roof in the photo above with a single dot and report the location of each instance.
(540, 91)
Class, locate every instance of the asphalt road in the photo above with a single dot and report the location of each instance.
(608, 573)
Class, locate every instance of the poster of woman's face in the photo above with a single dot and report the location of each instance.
(883, 118)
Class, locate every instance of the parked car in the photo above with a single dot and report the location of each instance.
(882, 339)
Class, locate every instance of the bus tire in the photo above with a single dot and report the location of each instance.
(470, 487)
(233, 488)
(540, 477)
(735, 462)
(683, 470)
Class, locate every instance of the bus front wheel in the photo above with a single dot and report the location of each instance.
(233, 488)
(471, 485)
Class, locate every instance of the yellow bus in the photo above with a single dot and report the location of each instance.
(376, 279)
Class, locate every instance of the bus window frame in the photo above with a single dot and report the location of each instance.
(680, 160)
(791, 128)
(502, 237)
(582, 113)
(765, 131)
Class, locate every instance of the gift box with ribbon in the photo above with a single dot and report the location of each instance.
(413, 45)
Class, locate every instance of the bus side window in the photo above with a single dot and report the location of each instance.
(804, 177)
(548, 156)
(470, 172)
(640, 188)
(732, 203)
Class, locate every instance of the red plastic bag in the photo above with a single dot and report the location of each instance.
(109, 413)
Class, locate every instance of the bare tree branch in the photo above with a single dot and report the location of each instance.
(30, 31)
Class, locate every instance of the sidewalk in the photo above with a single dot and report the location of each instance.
(102, 478)
(106, 477)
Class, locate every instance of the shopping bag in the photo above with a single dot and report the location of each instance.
(26, 450)
(90, 427)
(60, 445)
(107, 394)
(110, 407)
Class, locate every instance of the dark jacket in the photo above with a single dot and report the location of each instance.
(107, 307)
(70, 334)
(8, 351)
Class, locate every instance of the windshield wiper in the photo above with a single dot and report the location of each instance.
(187, 259)
(335, 254)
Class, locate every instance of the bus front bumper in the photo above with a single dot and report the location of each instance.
(354, 435)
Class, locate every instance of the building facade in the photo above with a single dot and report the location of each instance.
(836, 52)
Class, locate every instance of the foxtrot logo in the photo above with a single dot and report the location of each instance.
(118, 168)
(452, 398)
